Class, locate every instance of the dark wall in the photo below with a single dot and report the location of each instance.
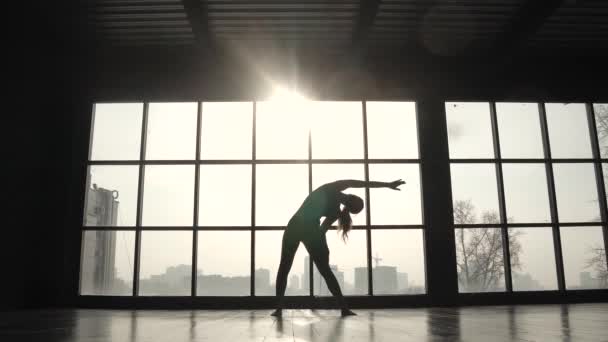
(60, 74)
(44, 80)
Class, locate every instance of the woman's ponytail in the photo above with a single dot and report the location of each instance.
(345, 223)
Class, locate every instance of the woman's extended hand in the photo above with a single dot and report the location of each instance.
(395, 184)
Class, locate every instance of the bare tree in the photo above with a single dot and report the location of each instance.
(601, 121)
(597, 260)
(479, 250)
(597, 263)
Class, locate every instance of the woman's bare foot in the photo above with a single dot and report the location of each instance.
(347, 312)
(278, 313)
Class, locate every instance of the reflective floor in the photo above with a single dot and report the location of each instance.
(580, 322)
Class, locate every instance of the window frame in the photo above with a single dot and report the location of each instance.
(197, 161)
(548, 162)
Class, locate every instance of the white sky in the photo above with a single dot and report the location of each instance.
(225, 190)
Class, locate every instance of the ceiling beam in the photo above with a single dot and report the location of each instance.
(368, 9)
(197, 14)
(527, 20)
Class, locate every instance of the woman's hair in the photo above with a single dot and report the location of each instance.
(353, 204)
(345, 223)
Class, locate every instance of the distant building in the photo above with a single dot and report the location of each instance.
(402, 281)
(305, 285)
(587, 281)
(361, 280)
(218, 285)
(98, 272)
(294, 282)
(101, 206)
(385, 279)
(175, 281)
(262, 282)
(525, 282)
(320, 285)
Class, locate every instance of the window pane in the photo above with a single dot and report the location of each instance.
(392, 130)
(469, 129)
(479, 258)
(326, 173)
(226, 129)
(526, 194)
(348, 261)
(519, 130)
(337, 130)
(224, 261)
(568, 130)
(267, 258)
(168, 195)
(166, 263)
(398, 261)
(107, 263)
(474, 193)
(281, 130)
(601, 122)
(396, 207)
(576, 192)
(280, 190)
(584, 258)
(225, 195)
(116, 131)
(532, 259)
(111, 198)
(171, 131)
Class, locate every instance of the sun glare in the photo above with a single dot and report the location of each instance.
(286, 95)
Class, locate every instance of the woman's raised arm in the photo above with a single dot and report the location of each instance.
(344, 184)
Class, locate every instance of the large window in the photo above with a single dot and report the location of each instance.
(191, 199)
(527, 189)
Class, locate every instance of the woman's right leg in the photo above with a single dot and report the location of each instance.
(319, 252)
(288, 251)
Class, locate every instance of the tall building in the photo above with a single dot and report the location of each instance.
(306, 275)
(294, 282)
(385, 279)
(98, 272)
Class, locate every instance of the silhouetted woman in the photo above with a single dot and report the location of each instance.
(304, 227)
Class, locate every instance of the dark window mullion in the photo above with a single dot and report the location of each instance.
(140, 195)
(370, 282)
(253, 189)
(92, 132)
(194, 280)
(501, 199)
(557, 246)
(310, 264)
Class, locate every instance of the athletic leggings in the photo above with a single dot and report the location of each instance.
(313, 238)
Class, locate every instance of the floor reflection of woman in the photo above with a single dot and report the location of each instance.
(304, 227)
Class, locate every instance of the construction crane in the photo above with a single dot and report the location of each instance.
(377, 259)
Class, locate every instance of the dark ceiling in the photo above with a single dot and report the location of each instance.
(372, 27)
